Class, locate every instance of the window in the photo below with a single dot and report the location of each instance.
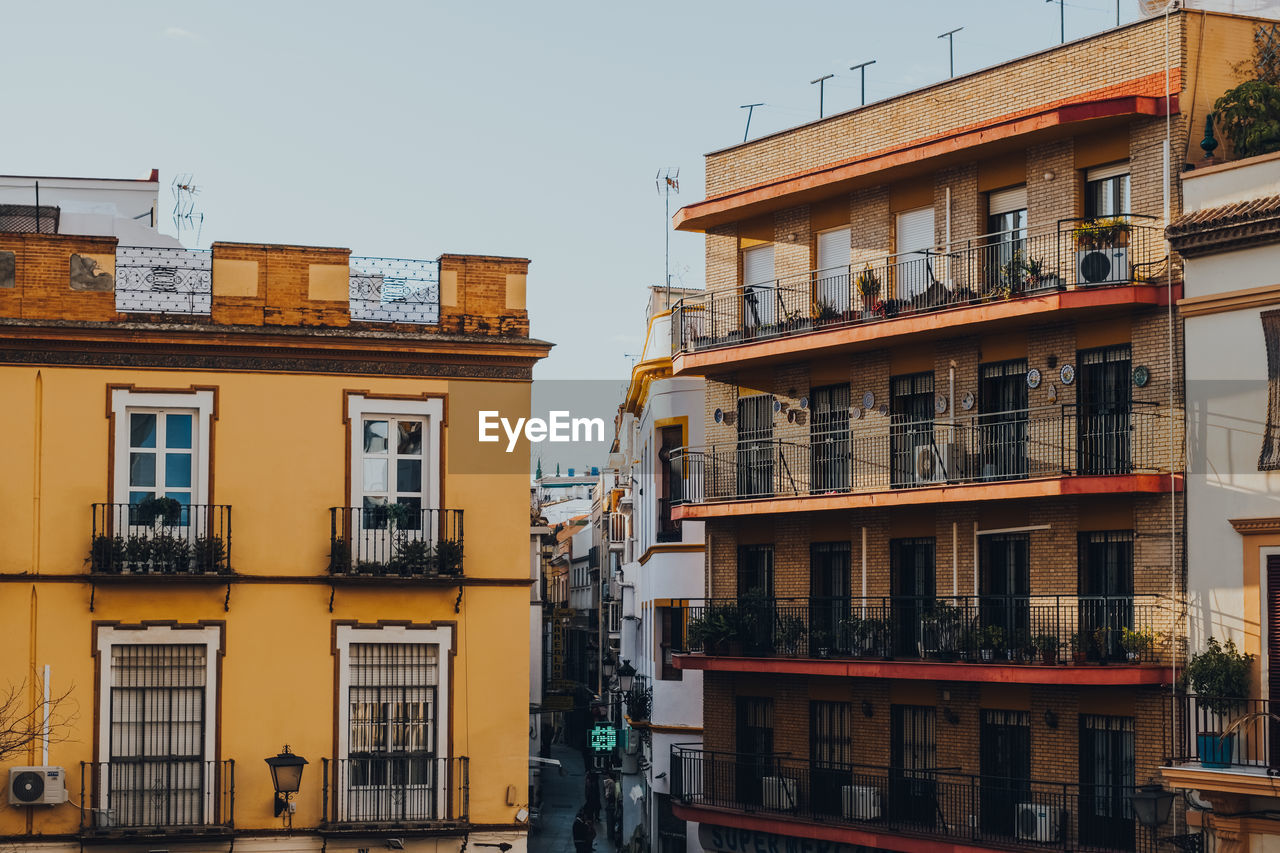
(670, 481)
(155, 718)
(758, 286)
(161, 446)
(670, 624)
(395, 458)
(830, 754)
(1106, 191)
(1005, 743)
(913, 748)
(911, 427)
(1007, 234)
(913, 269)
(831, 283)
(672, 831)
(1106, 781)
(1269, 460)
(393, 704)
(830, 455)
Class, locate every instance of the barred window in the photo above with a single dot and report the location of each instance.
(392, 697)
(1269, 460)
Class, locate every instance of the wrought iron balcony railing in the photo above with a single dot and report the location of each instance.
(396, 789)
(1032, 629)
(1029, 813)
(164, 281)
(161, 537)
(639, 699)
(1227, 734)
(669, 529)
(158, 794)
(992, 267)
(616, 525)
(392, 290)
(892, 454)
(395, 541)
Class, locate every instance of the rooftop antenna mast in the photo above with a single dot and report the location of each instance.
(1062, 19)
(822, 87)
(862, 68)
(750, 108)
(951, 47)
(668, 182)
(185, 214)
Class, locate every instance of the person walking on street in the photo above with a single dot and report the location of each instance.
(593, 797)
(584, 833)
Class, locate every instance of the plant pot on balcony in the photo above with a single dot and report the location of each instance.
(1215, 749)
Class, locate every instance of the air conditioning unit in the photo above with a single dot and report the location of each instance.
(1102, 266)
(632, 745)
(37, 786)
(1036, 822)
(933, 462)
(779, 793)
(860, 802)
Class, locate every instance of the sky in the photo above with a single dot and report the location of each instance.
(504, 128)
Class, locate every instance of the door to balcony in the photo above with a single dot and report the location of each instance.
(1007, 238)
(911, 563)
(1104, 404)
(1106, 592)
(756, 607)
(1004, 590)
(759, 289)
(910, 425)
(755, 748)
(1002, 426)
(913, 751)
(830, 755)
(755, 446)
(1005, 761)
(829, 601)
(832, 294)
(1106, 782)
(1273, 655)
(829, 465)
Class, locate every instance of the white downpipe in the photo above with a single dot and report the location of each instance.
(864, 572)
(955, 558)
(44, 727)
(947, 276)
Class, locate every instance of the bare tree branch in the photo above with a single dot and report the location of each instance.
(20, 725)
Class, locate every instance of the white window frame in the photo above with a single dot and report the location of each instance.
(442, 639)
(199, 403)
(430, 410)
(159, 635)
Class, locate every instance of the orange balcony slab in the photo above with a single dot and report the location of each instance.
(932, 670)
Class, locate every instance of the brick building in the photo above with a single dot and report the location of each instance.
(941, 477)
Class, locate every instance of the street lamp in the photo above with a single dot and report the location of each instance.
(609, 666)
(286, 777)
(1151, 805)
(626, 675)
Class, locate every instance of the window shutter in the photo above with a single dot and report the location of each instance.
(915, 230)
(1111, 170)
(1007, 200)
(834, 249)
(1270, 457)
(757, 265)
(1273, 631)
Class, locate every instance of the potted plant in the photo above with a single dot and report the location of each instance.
(209, 553)
(790, 633)
(153, 510)
(1099, 642)
(821, 642)
(340, 556)
(713, 630)
(1046, 645)
(1110, 232)
(826, 313)
(868, 284)
(412, 558)
(448, 556)
(990, 641)
(1249, 117)
(1219, 676)
(1079, 647)
(1136, 643)
(107, 554)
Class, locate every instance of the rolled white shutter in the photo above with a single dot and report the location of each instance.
(1007, 200)
(915, 230)
(757, 265)
(833, 249)
(1098, 173)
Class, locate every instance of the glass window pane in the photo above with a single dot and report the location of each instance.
(177, 431)
(414, 521)
(139, 497)
(408, 475)
(375, 436)
(177, 470)
(142, 469)
(375, 475)
(142, 429)
(374, 516)
(410, 438)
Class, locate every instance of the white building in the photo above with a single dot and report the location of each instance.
(662, 566)
(1229, 237)
(124, 208)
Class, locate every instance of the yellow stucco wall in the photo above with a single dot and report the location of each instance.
(279, 459)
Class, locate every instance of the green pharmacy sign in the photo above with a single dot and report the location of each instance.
(604, 738)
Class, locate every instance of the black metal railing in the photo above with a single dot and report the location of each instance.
(163, 794)
(395, 541)
(1227, 733)
(1032, 629)
(160, 537)
(669, 529)
(1048, 441)
(396, 789)
(924, 802)
(639, 699)
(991, 267)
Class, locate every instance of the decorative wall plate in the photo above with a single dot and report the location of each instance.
(857, 412)
(884, 410)
(966, 402)
(1033, 378)
(1067, 374)
(1141, 375)
(777, 405)
(719, 416)
(868, 400)
(804, 402)
(940, 403)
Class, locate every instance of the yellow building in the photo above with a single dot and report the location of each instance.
(233, 507)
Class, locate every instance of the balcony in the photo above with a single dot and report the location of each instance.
(888, 808)
(616, 525)
(669, 528)
(153, 796)
(161, 538)
(395, 541)
(1047, 451)
(395, 791)
(1229, 746)
(392, 290)
(164, 281)
(1028, 639)
(992, 278)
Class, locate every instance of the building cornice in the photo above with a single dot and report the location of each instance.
(1253, 526)
(1233, 300)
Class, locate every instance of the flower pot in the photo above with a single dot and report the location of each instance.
(1049, 658)
(1215, 749)
(987, 655)
(1079, 657)
(1132, 656)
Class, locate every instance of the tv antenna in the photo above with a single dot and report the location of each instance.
(668, 182)
(951, 47)
(862, 68)
(822, 88)
(1062, 19)
(750, 108)
(185, 214)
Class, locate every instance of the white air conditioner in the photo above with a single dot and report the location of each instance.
(37, 786)
(860, 802)
(779, 793)
(1102, 266)
(933, 462)
(1036, 822)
